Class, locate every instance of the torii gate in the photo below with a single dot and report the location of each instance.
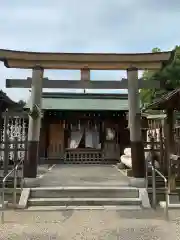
(85, 62)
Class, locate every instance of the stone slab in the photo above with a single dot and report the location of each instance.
(65, 208)
(143, 195)
(24, 198)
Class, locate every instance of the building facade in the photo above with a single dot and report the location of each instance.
(83, 128)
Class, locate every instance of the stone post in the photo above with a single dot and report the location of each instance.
(30, 165)
(137, 148)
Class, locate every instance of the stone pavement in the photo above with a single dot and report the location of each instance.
(77, 175)
(90, 225)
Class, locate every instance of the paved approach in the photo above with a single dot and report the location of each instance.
(90, 225)
(82, 175)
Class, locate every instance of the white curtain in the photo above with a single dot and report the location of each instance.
(91, 138)
(76, 137)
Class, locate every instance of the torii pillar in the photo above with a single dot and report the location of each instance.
(137, 148)
(31, 162)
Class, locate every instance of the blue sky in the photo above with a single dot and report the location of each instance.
(117, 26)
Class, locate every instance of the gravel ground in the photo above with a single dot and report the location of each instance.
(89, 225)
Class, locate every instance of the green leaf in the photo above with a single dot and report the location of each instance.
(170, 75)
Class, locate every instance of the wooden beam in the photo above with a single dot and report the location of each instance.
(72, 84)
(94, 61)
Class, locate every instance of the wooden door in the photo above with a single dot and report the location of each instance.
(56, 140)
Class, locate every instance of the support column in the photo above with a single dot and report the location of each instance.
(30, 165)
(137, 148)
(169, 141)
(170, 129)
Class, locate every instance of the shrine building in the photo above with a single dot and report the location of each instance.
(83, 128)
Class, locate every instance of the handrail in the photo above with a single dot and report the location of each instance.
(15, 169)
(146, 172)
(154, 171)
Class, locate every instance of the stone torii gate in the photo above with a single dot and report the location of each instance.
(85, 62)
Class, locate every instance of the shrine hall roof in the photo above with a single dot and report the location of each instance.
(83, 101)
(6, 102)
(170, 100)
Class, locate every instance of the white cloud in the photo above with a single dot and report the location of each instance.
(85, 26)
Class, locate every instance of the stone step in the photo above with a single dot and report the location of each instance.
(82, 201)
(85, 192)
(75, 161)
(61, 208)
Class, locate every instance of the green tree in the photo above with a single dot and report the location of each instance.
(21, 103)
(170, 75)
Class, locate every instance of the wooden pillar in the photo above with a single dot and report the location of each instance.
(137, 148)
(42, 142)
(30, 166)
(170, 129)
(1, 124)
(169, 141)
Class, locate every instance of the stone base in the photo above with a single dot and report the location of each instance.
(138, 162)
(30, 165)
(31, 182)
(137, 182)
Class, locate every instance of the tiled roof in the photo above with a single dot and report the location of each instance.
(114, 102)
(166, 100)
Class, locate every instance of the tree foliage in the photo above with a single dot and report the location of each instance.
(21, 103)
(170, 75)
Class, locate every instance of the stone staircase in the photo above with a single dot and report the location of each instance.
(88, 197)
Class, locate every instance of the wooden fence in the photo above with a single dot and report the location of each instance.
(13, 140)
(155, 136)
(156, 131)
